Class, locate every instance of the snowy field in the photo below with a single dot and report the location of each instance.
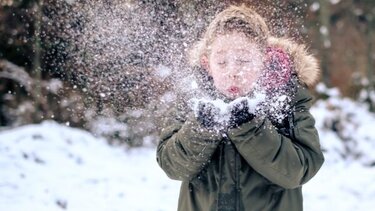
(55, 167)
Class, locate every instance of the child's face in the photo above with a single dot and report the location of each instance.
(235, 63)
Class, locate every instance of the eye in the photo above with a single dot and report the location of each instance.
(242, 61)
(222, 63)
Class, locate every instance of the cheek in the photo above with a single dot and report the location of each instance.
(219, 80)
(252, 71)
(217, 73)
(251, 76)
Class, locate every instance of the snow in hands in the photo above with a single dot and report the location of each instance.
(223, 110)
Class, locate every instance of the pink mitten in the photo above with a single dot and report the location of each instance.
(278, 69)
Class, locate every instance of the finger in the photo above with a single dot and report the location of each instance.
(201, 109)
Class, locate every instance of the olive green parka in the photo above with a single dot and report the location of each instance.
(251, 167)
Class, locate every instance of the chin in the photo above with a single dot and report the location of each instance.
(233, 96)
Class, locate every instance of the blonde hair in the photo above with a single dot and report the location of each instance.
(234, 18)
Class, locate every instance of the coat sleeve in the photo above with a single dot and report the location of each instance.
(185, 147)
(287, 162)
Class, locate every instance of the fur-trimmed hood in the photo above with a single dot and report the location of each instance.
(304, 63)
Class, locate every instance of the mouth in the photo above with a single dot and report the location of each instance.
(233, 90)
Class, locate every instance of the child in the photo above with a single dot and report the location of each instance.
(258, 159)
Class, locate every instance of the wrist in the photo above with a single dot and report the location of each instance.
(195, 130)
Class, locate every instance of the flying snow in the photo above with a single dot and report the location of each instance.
(130, 53)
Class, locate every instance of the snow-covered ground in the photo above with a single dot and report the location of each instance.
(55, 167)
(51, 166)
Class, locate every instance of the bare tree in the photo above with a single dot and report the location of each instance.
(369, 32)
(325, 25)
(37, 48)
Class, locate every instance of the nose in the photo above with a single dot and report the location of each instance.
(233, 75)
(233, 71)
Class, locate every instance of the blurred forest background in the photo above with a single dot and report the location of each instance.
(47, 71)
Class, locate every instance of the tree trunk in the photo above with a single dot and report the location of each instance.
(370, 59)
(325, 26)
(40, 100)
(37, 70)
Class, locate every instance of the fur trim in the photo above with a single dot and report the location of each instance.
(305, 64)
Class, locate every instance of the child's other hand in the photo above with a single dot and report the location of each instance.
(278, 69)
(240, 114)
(207, 114)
